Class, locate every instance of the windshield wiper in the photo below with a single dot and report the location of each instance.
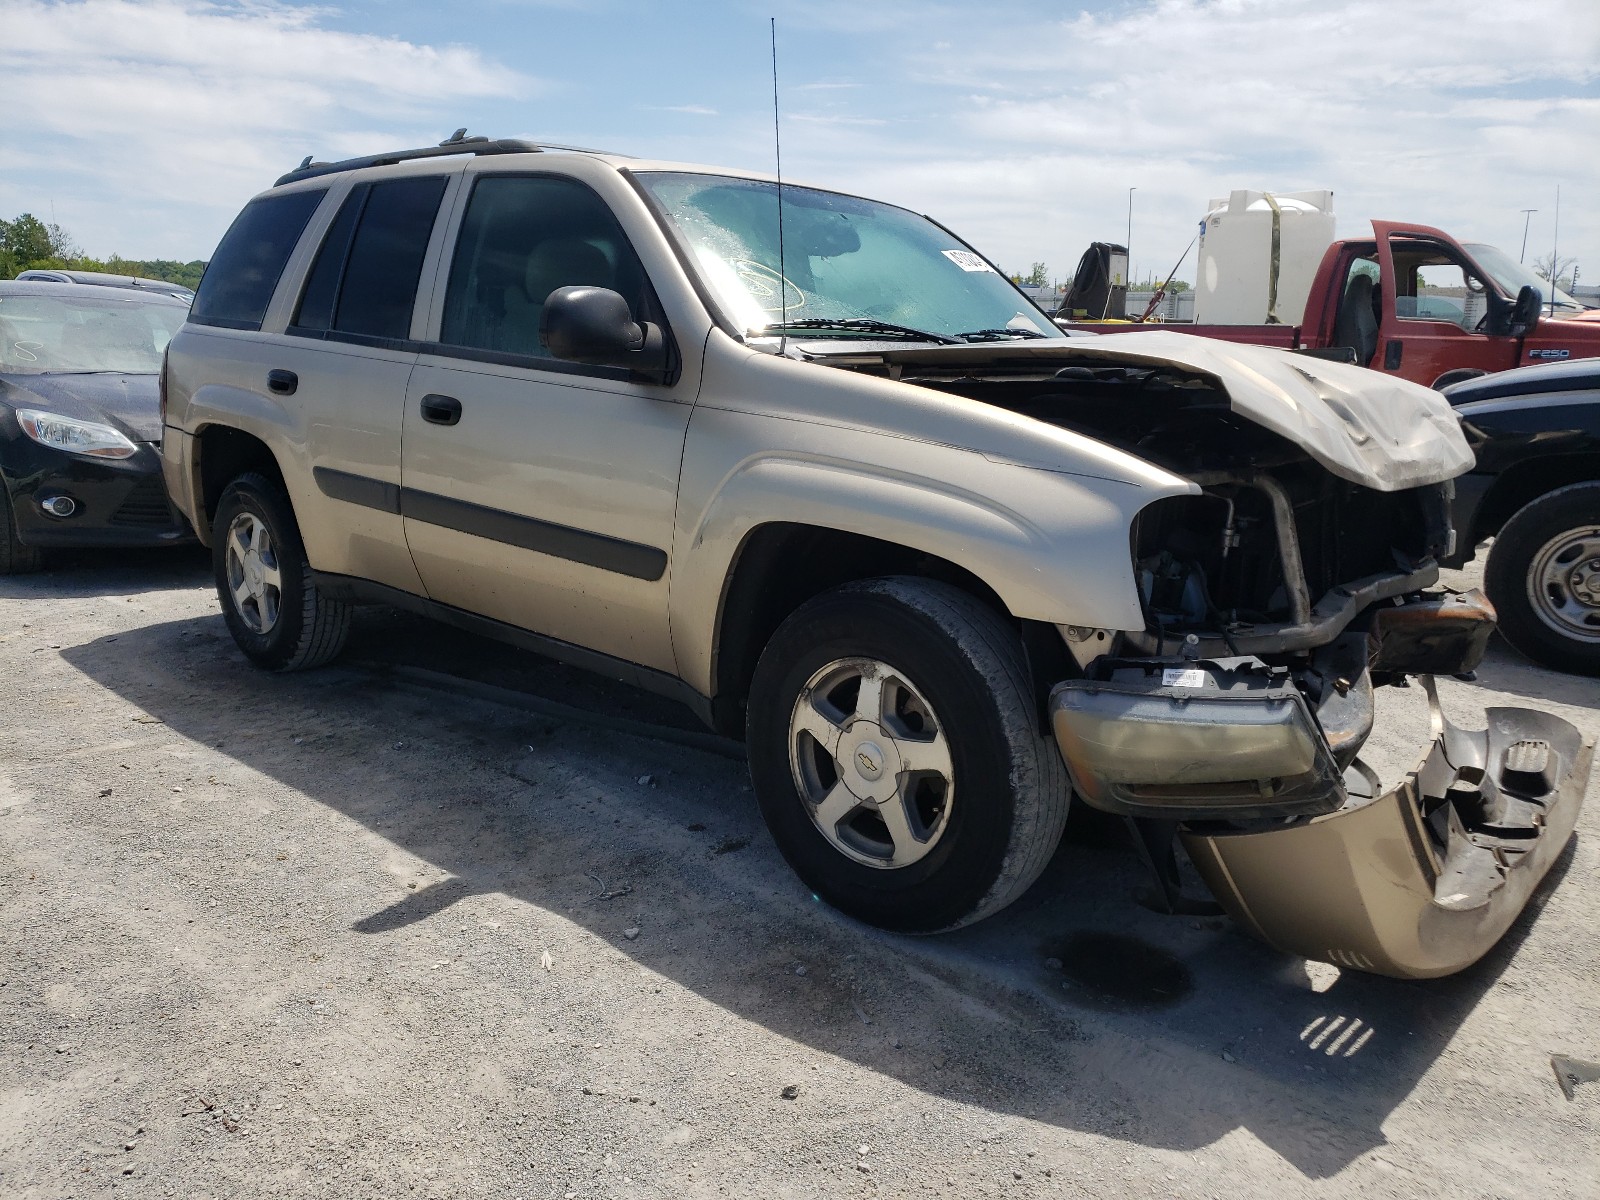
(995, 335)
(867, 325)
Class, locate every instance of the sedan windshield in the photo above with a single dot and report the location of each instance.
(56, 334)
(1512, 276)
(846, 269)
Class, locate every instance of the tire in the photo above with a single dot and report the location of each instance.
(1543, 577)
(943, 840)
(275, 613)
(15, 558)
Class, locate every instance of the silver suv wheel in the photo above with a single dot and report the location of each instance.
(871, 763)
(896, 753)
(274, 608)
(253, 576)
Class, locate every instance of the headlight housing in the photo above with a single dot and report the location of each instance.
(74, 436)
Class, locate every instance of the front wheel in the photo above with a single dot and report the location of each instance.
(897, 758)
(1543, 576)
(273, 609)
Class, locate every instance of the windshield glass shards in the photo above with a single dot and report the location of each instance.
(851, 269)
(57, 334)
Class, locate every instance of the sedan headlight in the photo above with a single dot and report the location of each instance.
(74, 436)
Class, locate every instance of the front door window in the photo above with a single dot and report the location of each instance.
(522, 238)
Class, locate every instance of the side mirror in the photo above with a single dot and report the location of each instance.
(593, 325)
(1525, 311)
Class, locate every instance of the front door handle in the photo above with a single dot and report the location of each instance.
(1392, 354)
(441, 410)
(282, 382)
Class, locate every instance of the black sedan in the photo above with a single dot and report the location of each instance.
(1536, 491)
(80, 421)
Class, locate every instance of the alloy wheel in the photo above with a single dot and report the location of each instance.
(254, 580)
(872, 763)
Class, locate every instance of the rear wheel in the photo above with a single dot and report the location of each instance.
(15, 558)
(272, 607)
(897, 759)
(1543, 576)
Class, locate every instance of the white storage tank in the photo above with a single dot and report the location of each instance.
(1240, 281)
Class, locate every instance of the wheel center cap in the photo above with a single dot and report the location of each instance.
(253, 571)
(869, 764)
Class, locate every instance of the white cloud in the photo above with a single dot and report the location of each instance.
(165, 115)
(1020, 125)
(1450, 112)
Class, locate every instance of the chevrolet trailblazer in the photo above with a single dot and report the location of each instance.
(812, 465)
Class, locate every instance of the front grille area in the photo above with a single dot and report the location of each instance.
(145, 506)
(1215, 560)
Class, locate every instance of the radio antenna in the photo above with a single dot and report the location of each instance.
(777, 152)
(1555, 249)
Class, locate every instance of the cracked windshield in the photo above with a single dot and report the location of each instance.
(852, 268)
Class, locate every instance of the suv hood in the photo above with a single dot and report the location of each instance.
(1363, 426)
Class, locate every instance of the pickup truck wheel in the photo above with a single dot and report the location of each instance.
(276, 614)
(1543, 576)
(15, 558)
(897, 759)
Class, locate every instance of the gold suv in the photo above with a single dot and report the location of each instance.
(810, 464)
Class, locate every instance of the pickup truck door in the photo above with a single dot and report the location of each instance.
(538, 492)
(1435, 307)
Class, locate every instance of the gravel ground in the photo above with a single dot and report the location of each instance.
(343, 934)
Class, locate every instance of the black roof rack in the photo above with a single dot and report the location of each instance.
(457, 143)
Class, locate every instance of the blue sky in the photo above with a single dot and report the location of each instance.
(1021, 125)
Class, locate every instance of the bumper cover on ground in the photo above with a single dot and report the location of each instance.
(1423, 879)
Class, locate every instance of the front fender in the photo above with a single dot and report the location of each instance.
(1054, 547)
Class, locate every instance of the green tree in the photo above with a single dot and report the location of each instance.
(27, 239)
(1038, 277)
(28, 243)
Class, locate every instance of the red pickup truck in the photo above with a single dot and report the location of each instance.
(1412, 301)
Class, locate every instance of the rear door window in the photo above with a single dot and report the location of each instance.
(364, 281)
(244, 271)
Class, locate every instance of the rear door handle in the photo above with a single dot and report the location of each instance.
(441, 410)
(282, 382)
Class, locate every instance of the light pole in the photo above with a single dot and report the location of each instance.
(1527, 215)
(1128, 245)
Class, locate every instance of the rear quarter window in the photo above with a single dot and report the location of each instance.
(244, 271)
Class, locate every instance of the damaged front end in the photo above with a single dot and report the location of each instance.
(1276, 603)
(1283, 590)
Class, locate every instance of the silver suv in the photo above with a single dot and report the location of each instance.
(810, 464)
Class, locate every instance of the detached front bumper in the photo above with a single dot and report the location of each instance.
(1415, 882)
(1422, 880)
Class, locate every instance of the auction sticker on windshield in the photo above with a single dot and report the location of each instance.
(967, 260)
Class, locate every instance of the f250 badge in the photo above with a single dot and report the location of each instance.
(1549, 353)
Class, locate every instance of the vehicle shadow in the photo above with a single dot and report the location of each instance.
(1077, 1007)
